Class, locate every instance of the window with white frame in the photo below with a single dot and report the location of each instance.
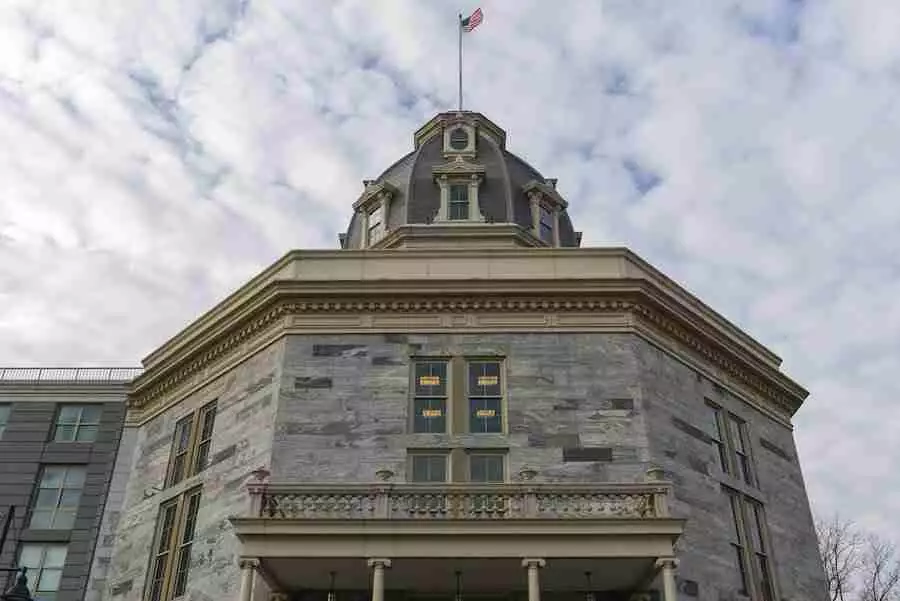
(77, 423)
(458, 208)
(55, 504)
(375, 224)
(45, 564)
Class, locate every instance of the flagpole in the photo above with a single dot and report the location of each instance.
(460, 28)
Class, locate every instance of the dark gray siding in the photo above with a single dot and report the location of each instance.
(24, 449)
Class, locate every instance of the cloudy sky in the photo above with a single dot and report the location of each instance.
(157, 153)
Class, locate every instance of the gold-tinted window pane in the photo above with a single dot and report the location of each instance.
(430, 379)
(484, 379)
(430, 415)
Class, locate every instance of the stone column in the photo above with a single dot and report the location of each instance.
(248, 573)
(534, 581)
(666, 567)
(378, 565)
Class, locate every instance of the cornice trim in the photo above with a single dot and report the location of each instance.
(275, 304)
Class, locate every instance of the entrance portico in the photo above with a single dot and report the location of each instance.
(501, 541)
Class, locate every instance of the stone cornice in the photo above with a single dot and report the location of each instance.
(275, 308)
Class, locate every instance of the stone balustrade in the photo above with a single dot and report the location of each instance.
(517, 501)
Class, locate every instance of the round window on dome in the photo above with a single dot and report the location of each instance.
(459, 139)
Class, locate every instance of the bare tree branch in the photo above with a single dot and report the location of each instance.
(880, 570)
(840, 546)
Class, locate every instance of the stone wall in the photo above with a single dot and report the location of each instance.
(672, 396)
(242, 440)
(344, 405)
(111, 513)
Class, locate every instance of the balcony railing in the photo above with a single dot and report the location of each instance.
(518, 501)
(66, 375)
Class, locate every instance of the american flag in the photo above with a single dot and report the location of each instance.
(473, 20)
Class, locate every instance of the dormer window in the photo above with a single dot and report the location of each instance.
(459, 202)
(375, 225)
(546, 225)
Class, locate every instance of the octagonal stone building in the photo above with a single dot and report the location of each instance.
(463, 403)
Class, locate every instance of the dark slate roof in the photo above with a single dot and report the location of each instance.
(501, 195)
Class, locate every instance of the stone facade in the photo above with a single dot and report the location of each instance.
(673, 399)
(581, 408)
(242, 442)
(344, 406)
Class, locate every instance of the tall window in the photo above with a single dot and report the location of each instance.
(716, 432)
(753, 568)
(429, 468)
(487, 467)
(56, 502)
(459, 202)
(546, 225)
(729, 435)
(430, 396)
(737, 545)
(176, 525)
(77, 423)
(738, 431)
(375, 226)
(45, 566)
(190, 445)
(756, 525)
(485, 397)
(4, 418)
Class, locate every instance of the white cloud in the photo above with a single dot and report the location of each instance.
(159, 153)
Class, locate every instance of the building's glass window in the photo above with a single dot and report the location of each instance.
(485, 397)
(738, 432)
(737, 545)
(204, 438)
(756, 526)
(716, 432)
(170, 560)
(375, 225)
(185, 540)
(486, 467)
(750, 543)
(77, 423)
(546, 225)
(165, 524)
(459, 202)
(4, 418)
(190, 444)
(430, 396)
(429, 468)
(181, 448)
(58, 494)
(45, 566)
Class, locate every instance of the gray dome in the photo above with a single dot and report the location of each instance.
(503, 191)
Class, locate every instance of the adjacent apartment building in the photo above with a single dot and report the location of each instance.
(460, 402)
(60, 431)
